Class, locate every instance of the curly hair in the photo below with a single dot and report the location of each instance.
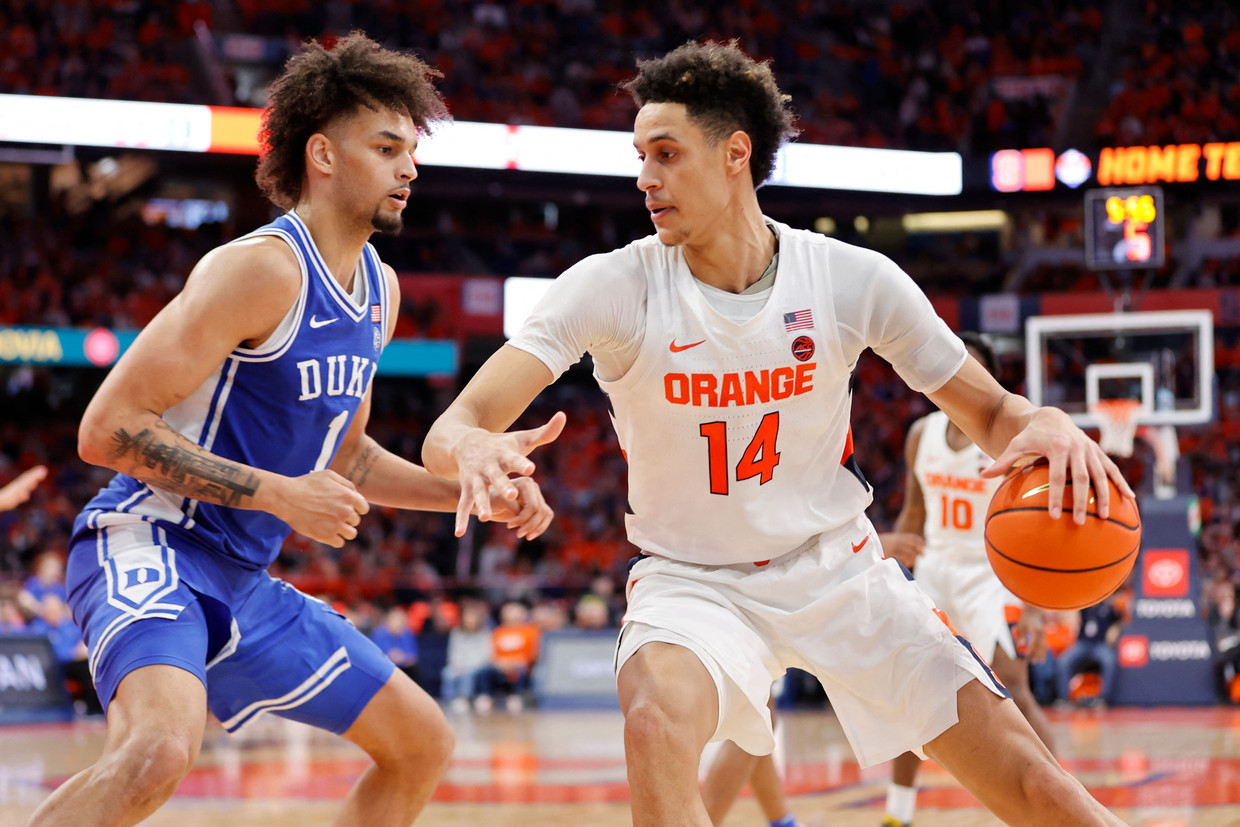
(724, 90)
(319, 85)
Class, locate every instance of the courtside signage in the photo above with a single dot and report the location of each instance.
(40, 119)
(101, 347)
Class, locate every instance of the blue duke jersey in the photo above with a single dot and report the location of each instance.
(282, 406)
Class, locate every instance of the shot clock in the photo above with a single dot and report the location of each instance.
(1124, 228)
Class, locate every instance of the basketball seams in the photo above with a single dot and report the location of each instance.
(1094, 514)
(1018, 519)
(1014, 561)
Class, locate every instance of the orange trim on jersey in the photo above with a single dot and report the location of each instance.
(943, 617)
(848, 447)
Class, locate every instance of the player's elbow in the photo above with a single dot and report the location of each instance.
(435, 456)
(94, 438)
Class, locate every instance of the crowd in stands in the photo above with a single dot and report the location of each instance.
(1179, 80)
(920, 75)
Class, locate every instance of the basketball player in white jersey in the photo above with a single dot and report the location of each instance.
(945, 500)
(239, 414)
(725, 343)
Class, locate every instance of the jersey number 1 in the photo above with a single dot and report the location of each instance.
(759, 459)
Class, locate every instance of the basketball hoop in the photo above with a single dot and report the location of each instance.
(1117, 423)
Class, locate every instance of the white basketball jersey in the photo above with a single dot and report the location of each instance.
(955, 492)
(738, 435)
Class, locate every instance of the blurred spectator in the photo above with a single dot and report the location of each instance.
(396, 639)
(1095, 646)
(549, 615)
(1223, 616)
(1060, 630)
(55, 621)
(48, 579)
(591, 613)
(514, 648)
(465, 677)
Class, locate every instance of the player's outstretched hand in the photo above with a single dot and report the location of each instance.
(1051, 433)
(20, 489)
(529, 513)
(485, 461)
(322, 505)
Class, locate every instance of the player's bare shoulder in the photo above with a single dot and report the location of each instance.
(255, 280)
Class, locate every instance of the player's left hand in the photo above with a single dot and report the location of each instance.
(1030, 634)
(1051, 433)
(529, 513)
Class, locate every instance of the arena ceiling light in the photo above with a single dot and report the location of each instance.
(955, 222)
(50, 120)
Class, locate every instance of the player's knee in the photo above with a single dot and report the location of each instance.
(649, 725)
(426, 747)
(151, 767)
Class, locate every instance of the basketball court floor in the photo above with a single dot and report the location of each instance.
(1167, 767)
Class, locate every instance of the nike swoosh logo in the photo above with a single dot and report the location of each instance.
(858, 546)
(316, 323)
(675, 348)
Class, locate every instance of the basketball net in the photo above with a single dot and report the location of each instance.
(1117, 423)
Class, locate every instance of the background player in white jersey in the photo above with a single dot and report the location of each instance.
(725, 343)
(240, 413)
(945, 499)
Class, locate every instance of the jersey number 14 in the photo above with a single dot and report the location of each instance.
(759, 459)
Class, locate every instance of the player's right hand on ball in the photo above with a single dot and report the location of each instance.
(323, 506)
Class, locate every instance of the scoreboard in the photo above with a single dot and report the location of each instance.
(1124, 228)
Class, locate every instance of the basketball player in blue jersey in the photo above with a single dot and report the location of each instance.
(725, 343)
(238, 414)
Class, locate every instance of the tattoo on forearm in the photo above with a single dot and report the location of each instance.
(181, 467)
(359, 471)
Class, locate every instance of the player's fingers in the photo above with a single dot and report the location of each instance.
(464, 507)
(1102, 491)
(540, 523)
(348, 532)
(360, 506)
(1057, 476)
(544, 434)
(1079, 468)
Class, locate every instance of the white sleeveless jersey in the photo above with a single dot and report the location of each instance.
(955, 492)
(737, 435)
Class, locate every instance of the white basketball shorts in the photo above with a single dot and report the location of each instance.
(977, 603)
(890, 664)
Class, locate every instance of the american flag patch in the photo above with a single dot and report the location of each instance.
(800, 320)
(376, 313)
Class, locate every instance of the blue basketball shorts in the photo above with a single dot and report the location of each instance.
(146, 594)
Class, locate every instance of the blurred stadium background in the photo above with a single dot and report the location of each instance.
(963, 142)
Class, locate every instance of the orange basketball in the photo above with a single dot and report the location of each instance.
(1057, 564)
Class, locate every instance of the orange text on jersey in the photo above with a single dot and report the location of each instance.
(711, 390)
(958, 483)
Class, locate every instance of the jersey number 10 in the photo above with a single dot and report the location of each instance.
(957, 513)
(759, 459)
